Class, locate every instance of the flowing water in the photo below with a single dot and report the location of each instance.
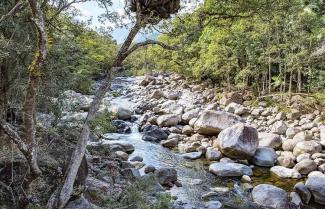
(193, 175)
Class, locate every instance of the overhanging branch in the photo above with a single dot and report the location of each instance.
(146, 43)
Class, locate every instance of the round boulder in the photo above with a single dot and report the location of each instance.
(238, 141)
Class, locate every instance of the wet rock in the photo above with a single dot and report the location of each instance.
(122, 113)
(213, 122)
(238, 141)
(316, 185)
(136, 158)
(119, 146)
(192, 155)
(166, 176)
(169, 143)
(168, 120)
(230, 169)
(265, 157)
(305, 166)
(284, 172)
(279, 127)
(213, 205)
(121, 126)
(149, 169)
(310, 147)
(303, 192)
(122, 155)
(270, 196)
(269, 140)
(153, 133)
(213, 154)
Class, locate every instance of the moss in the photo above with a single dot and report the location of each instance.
(103, 123)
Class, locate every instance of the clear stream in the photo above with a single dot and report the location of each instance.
(193, 175)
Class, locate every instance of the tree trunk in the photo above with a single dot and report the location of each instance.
(299, 81)
(61, 196)
(270, 74)
(28, 145)
(290, 86)
(3, 91)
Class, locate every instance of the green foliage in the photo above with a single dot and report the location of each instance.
(136, 196)
(244, 44)
(103, 123)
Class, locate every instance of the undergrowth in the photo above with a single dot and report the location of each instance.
(136, 196)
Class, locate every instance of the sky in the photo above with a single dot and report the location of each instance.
(92, 10)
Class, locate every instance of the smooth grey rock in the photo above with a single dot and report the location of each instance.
(316, 185)
(213, 154)
(270, 196)
(122, 113)
(310, 147)
(213, 122)
(230, 169)
(269, 140)
(264, 156)
(279, 127)
(153, 133)
(192, 155)
(238, 141)
(284, 172)
(168, 120)
(303, 192)
(305, 166)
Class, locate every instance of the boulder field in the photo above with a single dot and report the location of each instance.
(224, 128)
(235, 136)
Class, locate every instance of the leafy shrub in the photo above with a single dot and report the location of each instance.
(103, 123)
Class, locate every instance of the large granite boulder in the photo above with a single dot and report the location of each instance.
(316, 185)
(213, 122)
(238, 141)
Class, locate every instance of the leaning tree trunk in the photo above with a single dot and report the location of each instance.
(61, 195)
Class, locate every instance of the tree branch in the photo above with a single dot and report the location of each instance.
(13, 11)
(146, 43)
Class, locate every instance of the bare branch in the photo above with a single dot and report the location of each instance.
(146, 43)
(64, 7)
(13, 11)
